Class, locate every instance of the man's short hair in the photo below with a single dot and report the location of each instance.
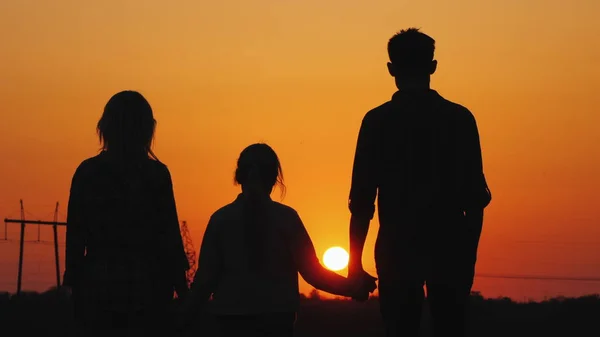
(410, 50)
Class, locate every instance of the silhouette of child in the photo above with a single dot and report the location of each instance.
(252, 251)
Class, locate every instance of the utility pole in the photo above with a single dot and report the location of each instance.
(190, 252)
(55, 230)
(24, 222)
(21, 246)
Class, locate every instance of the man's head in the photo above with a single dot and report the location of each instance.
(411, 56)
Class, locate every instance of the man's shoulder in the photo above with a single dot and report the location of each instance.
(377, 112)
(455, 109)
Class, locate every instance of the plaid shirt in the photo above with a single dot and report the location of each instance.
(420, 156)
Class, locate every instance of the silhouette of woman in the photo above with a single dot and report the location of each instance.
(251, 253)
(124, 251)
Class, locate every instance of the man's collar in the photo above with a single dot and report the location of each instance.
(402, 93)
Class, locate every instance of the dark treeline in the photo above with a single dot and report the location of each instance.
(48, 314)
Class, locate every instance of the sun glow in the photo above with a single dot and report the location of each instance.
(335, 258)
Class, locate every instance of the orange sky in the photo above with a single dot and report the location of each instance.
(300, 75)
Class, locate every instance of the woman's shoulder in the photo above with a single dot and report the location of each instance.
(159, 167)
(103, 159)
(89, 165)
(99, 164)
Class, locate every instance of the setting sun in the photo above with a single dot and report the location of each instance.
(335, 258)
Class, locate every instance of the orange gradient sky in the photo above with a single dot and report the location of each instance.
(300, 75)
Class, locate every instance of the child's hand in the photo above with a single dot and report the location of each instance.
(364, 285)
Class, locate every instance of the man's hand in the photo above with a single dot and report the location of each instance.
(365, 284)
(67, 290)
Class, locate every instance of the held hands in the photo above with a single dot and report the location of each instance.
(182, 303)
(66, 290)
(184, 311)
(363, 284)
(182, 291)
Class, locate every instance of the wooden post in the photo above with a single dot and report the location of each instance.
(21, 246)
(56, 255)
(56, 246)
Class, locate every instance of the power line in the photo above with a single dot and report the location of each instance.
(372, 271)
(41, 242)
(540, 277)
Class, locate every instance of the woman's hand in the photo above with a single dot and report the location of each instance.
(181, 287)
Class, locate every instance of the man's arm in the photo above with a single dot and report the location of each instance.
(479, 195)
(359, 228)
(363, 193)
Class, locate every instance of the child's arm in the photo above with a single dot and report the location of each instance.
(209, 267)
(310, 267)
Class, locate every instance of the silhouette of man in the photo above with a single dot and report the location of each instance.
(420, 155)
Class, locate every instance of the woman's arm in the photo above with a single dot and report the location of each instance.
(75, 239)
(178, 258)
(310, 267)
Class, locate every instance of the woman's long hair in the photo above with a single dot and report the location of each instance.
(126, 128)
(258, 172)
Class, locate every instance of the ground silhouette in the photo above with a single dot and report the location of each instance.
(48, 314)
